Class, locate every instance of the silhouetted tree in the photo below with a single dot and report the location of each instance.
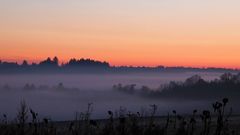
(55, 60)
(25, 63)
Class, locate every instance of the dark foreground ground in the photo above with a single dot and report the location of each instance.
(218, 120)
(171, 125)
(131, 124)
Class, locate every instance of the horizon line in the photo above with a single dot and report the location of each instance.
(19, 62)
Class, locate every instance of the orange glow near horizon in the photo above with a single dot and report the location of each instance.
(137, 33)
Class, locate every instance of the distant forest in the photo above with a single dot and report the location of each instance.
(228, 85)
(91, 66)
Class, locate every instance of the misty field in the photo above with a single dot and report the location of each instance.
(80, 89)
(134, 104)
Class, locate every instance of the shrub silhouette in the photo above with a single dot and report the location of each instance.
(125, 123)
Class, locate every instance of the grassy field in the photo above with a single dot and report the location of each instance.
(216, 121)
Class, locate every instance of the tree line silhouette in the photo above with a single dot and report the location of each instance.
(32, 87)
(53, 66)
(94, 66)
(192, 88)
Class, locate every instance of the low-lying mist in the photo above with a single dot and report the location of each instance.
(101, 81)
(60, 96)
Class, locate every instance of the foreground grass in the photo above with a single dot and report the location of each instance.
(216, 121)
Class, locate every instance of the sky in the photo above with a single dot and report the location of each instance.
(197, 33)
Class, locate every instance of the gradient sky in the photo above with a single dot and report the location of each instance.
(198, 33)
